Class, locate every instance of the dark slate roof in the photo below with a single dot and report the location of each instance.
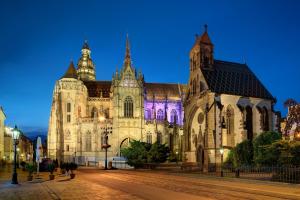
(95, 88)
(234, 78)
(161, 90)
(71, 72)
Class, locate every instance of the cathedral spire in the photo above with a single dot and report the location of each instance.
(127, 53)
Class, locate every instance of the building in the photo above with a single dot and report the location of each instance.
(24, 147)
(2, 119)
(132, 108)
(225, 104)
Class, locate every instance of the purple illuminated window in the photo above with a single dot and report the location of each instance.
(174, 117)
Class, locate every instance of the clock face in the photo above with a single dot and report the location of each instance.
(200, 118)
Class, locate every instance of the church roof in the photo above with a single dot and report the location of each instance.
(98, 88)
(71, 72)
(160, 90)
(163, 90)
(236, 79)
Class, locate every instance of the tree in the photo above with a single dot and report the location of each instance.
(293, 117)
(261, 154)
(139, 153)
(244, 153)
(136, 153)
(158, 153)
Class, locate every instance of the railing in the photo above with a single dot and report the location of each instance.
(287, 174)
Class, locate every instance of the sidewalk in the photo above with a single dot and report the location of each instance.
(62, 187)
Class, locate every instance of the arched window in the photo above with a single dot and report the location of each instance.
(159, 138)
(265, 119)
(230, 126)
(148, 114)
(88, 142)
(174, 117)
(68, 112)
(94, 113)
(249, 123)
(68, 107)
(149, 138)
(128, 107)
(160, 115)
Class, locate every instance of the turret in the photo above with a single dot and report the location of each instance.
(86, 67)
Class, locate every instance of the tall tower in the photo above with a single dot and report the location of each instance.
(86, 67)
(201, 56)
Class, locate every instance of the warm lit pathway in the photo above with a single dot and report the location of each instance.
(145, 184)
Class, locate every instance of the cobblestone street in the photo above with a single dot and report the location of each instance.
(131, 184)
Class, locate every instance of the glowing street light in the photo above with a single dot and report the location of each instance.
(15, 136)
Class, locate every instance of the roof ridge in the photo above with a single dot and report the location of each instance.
(230, 62)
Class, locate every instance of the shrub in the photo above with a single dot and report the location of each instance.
(30, 168)
(261, 153)
(158, 153)
(73, 166)
(51, 168)
(295, 153)
(140, 153)
(243, 153)
(136, 154)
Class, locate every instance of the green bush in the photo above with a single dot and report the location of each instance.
(243, 153)
(30, 168)
(51, 168)
(158, 153)
(231, 160)
(261, 152)
(140, 153)
(295, 153)
(136, 154)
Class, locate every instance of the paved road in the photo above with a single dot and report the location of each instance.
(163, 185)
(139, 184)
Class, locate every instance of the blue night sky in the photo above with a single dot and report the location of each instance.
(38, 40)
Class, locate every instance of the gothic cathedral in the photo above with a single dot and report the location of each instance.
(223, 104)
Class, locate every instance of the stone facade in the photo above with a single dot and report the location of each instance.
(24, 147)
(225, 104)
(2, 119)
(127, 107)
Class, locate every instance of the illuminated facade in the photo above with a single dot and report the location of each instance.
(133, 109)
(2, 119)
(225, 104)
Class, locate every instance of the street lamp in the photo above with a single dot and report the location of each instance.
(15, 136)
(105, 145)
(222, 152)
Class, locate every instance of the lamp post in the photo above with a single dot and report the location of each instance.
(105, 145)
(222, 152)
(15, 136)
